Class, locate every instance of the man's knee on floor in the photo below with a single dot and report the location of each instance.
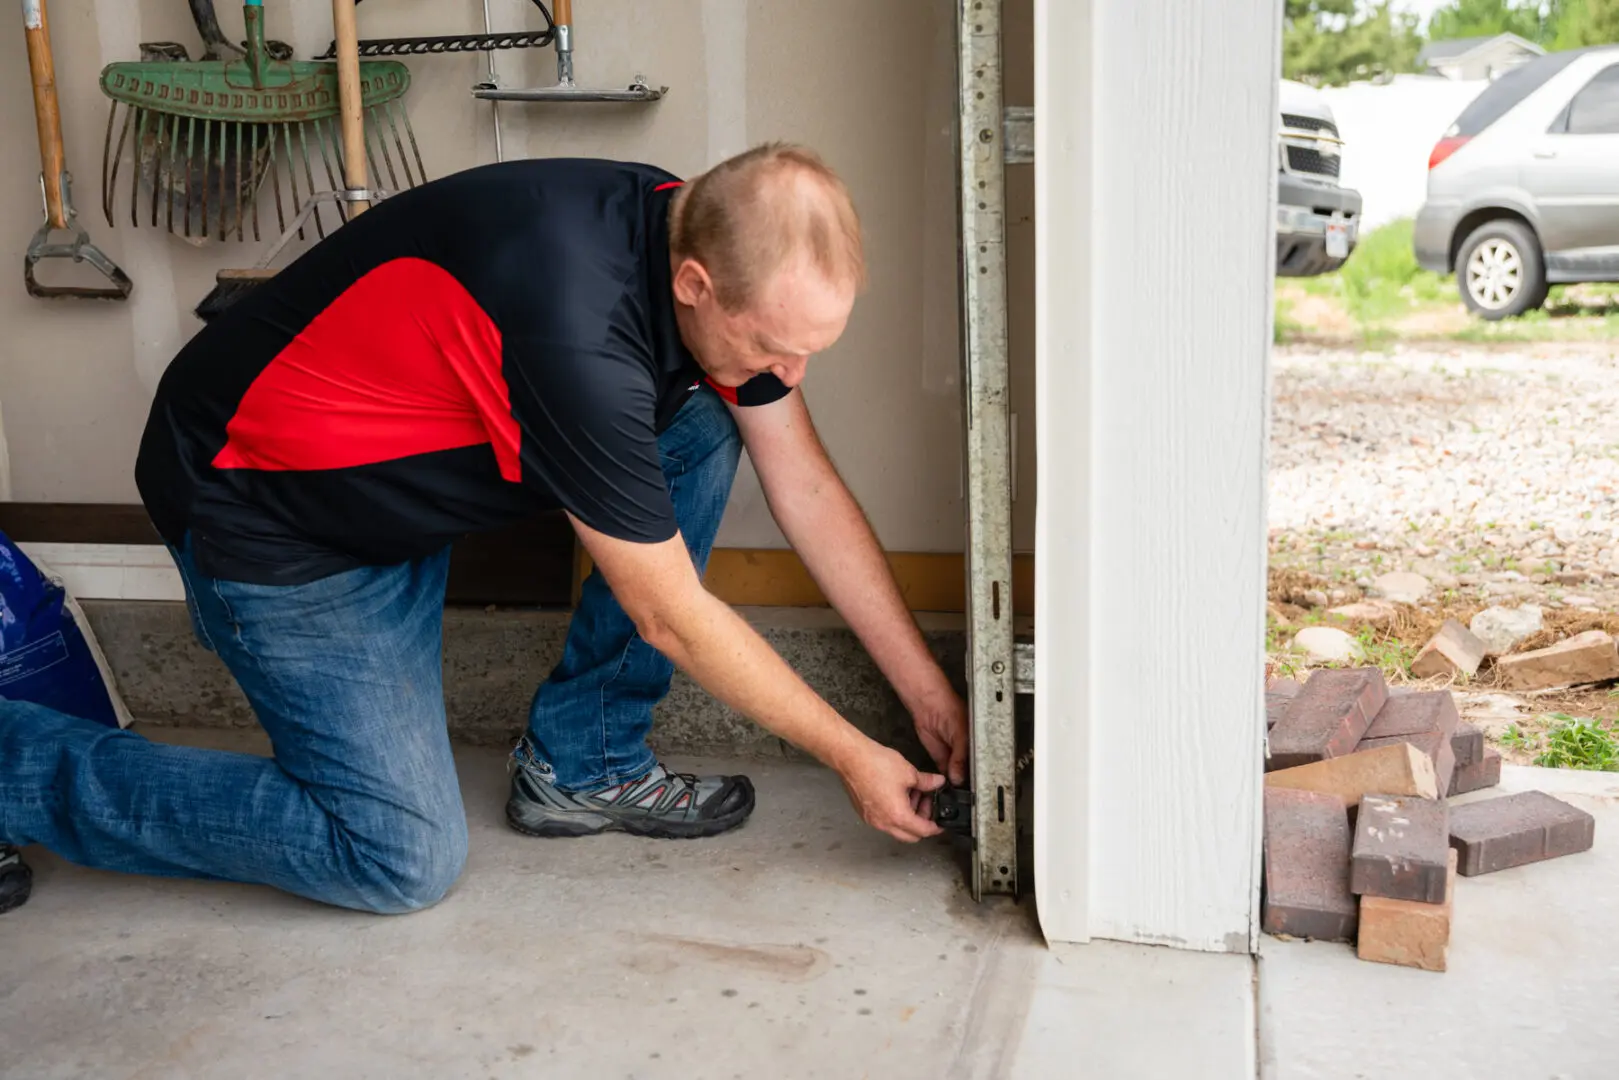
(411, 869)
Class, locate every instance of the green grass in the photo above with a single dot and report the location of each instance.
(1579, 744)
(1382, 281)
(1382, 284)
(1286, 327)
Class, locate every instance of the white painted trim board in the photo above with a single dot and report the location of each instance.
(110, 571)
(1155, 220)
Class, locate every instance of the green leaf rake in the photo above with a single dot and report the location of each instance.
(205, 137)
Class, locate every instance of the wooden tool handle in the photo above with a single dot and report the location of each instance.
(562, 12)
(52, 158)
(351, 106)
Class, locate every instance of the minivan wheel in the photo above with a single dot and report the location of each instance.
(1500, 270)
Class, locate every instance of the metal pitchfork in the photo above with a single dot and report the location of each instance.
(206, 136)
(55, 183)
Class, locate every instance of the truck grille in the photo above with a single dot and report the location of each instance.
(1302, 159)
(1309, 123)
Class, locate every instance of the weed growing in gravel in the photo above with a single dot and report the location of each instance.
(1579, 744)
(1384, 651)
(1513, 738)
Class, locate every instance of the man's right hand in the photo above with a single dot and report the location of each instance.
(658, 588)
(886, 791)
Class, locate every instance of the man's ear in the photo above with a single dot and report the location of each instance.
(692, 284)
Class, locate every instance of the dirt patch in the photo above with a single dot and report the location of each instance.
(1322, 316)
(1435, 322)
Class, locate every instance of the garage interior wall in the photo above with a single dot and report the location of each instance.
(868, 85)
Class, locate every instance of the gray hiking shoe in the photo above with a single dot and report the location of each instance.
(663, 804)
(16, 879)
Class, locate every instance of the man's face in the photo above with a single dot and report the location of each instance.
(796, 314)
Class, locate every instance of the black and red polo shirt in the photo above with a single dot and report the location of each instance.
(466, 352)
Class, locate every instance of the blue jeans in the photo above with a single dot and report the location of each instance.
(360, 806)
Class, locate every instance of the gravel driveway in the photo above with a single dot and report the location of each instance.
(1492, 472)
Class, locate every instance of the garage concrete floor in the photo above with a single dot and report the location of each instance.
(804, 945)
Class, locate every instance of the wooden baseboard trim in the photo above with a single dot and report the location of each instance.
(766, 577)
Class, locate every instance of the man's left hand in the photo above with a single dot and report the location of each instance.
(942, 726)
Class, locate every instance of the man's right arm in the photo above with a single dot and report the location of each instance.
(658, 587)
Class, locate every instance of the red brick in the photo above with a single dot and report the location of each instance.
(1517, 829)
(1477, 776)
(1454, 650)
(1435, 746)
(1401, 848)
(1584, 658)
(1407, 932)
(1468, 742)
(1307, 846)
(1415, 714)
(1285, 687)
(1275, 707)
(1400, 769)
(1327, 718)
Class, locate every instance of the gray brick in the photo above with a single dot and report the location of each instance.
(1401, 849)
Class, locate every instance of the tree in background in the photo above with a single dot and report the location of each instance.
(1577, 23)
(1555, 24)
(1333, 42)
(1529, 19)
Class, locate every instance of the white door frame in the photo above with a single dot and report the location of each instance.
(1155, 193)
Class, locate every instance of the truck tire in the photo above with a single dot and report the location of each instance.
(1500, 270)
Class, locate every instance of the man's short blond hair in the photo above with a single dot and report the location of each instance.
(748, 216)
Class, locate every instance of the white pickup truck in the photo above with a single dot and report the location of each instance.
(1317, 219)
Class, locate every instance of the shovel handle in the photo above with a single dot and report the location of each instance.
(52, 158)
(346, 37)
(562, 12)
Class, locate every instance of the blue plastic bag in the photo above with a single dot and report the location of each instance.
(45, 657)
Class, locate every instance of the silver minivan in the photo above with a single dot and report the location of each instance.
(1523, 190)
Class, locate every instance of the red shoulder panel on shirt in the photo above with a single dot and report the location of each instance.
(403, 362)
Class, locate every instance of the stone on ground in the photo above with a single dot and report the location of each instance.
(1402, 587)
(1590, 657)
(1500, 628)
(1453, 651)
(1326, 644)
(1379, 613)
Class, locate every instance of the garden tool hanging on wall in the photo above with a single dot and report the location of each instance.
(353, 197)
(206, 136)
(55, 183)
(566, 89)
